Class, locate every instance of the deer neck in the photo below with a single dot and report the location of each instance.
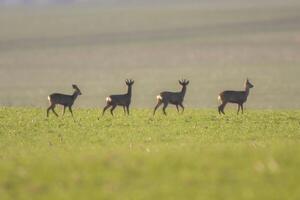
(183, 90)
(129, 92)
(247, 90)
(75, 95)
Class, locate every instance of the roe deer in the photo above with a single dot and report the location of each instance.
(120, 99)
(175, 98)
(64, 100)
(238, 97)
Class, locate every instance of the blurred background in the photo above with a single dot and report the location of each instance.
(47, 45)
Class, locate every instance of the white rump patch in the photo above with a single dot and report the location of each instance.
(108, 99)
(159, 98)
(49, 98)
(219, 98)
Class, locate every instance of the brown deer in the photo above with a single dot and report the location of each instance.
(64, 100)
(123, 100)
(238, 97)
(175, 98)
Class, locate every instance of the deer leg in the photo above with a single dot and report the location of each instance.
(105, 108)
(239, 106)
(221, 108)
(224, 104)
(164, 108)
(70, 109)
(127, 108)
(157, 105)
(177, 108)
(112, 109)
(52, 108)
(242, 106)
(181, 107)
(64, 109)
(124, 110)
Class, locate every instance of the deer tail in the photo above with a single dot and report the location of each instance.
(159, 97)
(49, 99)
(219, 98)
(108, 99)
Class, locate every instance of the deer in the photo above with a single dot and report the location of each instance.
(64, 100)
(123, 100)
(237, 97)
(175, 98)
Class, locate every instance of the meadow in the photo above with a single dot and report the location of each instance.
(194, 155)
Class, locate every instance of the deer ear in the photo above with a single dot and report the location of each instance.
(180, 82)
(187, 82)
(75, 87)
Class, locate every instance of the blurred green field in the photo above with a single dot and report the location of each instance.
(215, 44)
(195, 155)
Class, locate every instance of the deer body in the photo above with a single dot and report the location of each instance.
(175, 98)
(237, 97)
(64, 100)
(123, 100)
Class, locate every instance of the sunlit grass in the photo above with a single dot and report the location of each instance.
(198, 154)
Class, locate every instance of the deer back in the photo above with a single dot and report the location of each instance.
(234, 96)
(62, 99)
(121, 99)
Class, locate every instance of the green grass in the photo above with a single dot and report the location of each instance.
(196, 155)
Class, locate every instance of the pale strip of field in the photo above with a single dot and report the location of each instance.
(47, 49)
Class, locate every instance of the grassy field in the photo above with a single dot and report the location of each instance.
(195, 155)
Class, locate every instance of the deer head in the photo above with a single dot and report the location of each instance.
(75, 87)
(184, 82)
(129, 82)
(248, 84)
